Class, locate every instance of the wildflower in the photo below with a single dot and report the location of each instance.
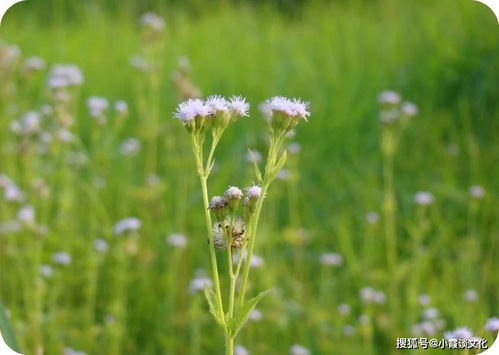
(492, 324)
(331, 259)
(459, 333)
(255, 315)
(239, 106)
(477, 191)
(29, 124)
(428, 328)
(372, 217)
(367, 294)
(255, 262)
(294, 148)
(409, 109)
(177, 240)
(34, 64)
(364, 319)
(284, 114)
(218, 205)
(12, 226)
(253, 156)
(283, 174)
(125, 225)
(237, 230)
(348, 330)
(61, 258)
(130, 147)
(9, 56)
(240, 350)
(298, 350)
(153, 179)
(199, 283)
(343, 309)
(423, 198)
(152, 21)
(389, 97)
(121, 107)
(97, 106)
(226, 112)
(46, 270)
(71, 351)
(253, 193)
(26, 214)
(471, 295)
(424, 300)
(430, 313)
(101, 245)
(193, 113)
(233, 194)
(64, 135)
(65, 75)
(379, 297)
(13, 193)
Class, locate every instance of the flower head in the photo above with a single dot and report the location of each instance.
(127, 225)
(239, 106)
(423, 198)
(284, 114)
(177, 240)
(492, 324)
(389, 97)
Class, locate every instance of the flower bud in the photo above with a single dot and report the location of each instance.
(218, 205)
(233, 195)
(253, 193)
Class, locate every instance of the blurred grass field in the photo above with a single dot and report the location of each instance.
(442, 55)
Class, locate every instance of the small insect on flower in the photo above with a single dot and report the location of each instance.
(223, 230)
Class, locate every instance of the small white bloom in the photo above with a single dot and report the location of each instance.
(343, 309)
(253, 156)
(217, 104)
(199, 284)
(153, 179)
(379, 297)
(298, 350)
(13, 193)
(97, 106)
(294, 148)
(101, 245)
(389, 97)
(239, 106)
(71, 351)
(367, 294)
(288, 107)
(130, 147)
(364, 319)
(61, 258)
(283, 174)
(192, 108)
(26, 214)
(255, 315)
(152, 21)
(409, 109)
(331, 259)
(46, 270)
(34, 64)
(254, 192)
(372, 217)
(233, 193)
(423, 198)
(492, 324)
(471, 295)
(177, 240)
(477, 192)
(65, 135)
(428, 328)
(459, 333)
(348, 330)
(424, 300)
(64, 75)
(121, 107)
(430, 313)
(129, 224)
(240, 350)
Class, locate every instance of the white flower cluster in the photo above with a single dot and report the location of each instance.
(28, 124)
(393, 108)
(97, 106)
(152, 21)
(65, 75)
(369, 295)
(294, 108)
(423, 198)
(125, 225)
(331, 259)
(192, 108)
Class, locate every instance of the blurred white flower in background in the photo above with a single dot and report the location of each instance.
(477, 191)
(331, 259)
(423, 198)
(130, 147)
(298, 350)
(177, 240)
(125, 225)
(61, 258)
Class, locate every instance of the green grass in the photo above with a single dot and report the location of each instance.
(443, 55)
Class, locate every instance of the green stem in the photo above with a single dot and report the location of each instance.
(203, 177)
(229, 345)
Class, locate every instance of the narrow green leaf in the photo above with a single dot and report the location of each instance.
(7, 330)
(213, 305)
(279, 165)
(258, 173)
(238, 322)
